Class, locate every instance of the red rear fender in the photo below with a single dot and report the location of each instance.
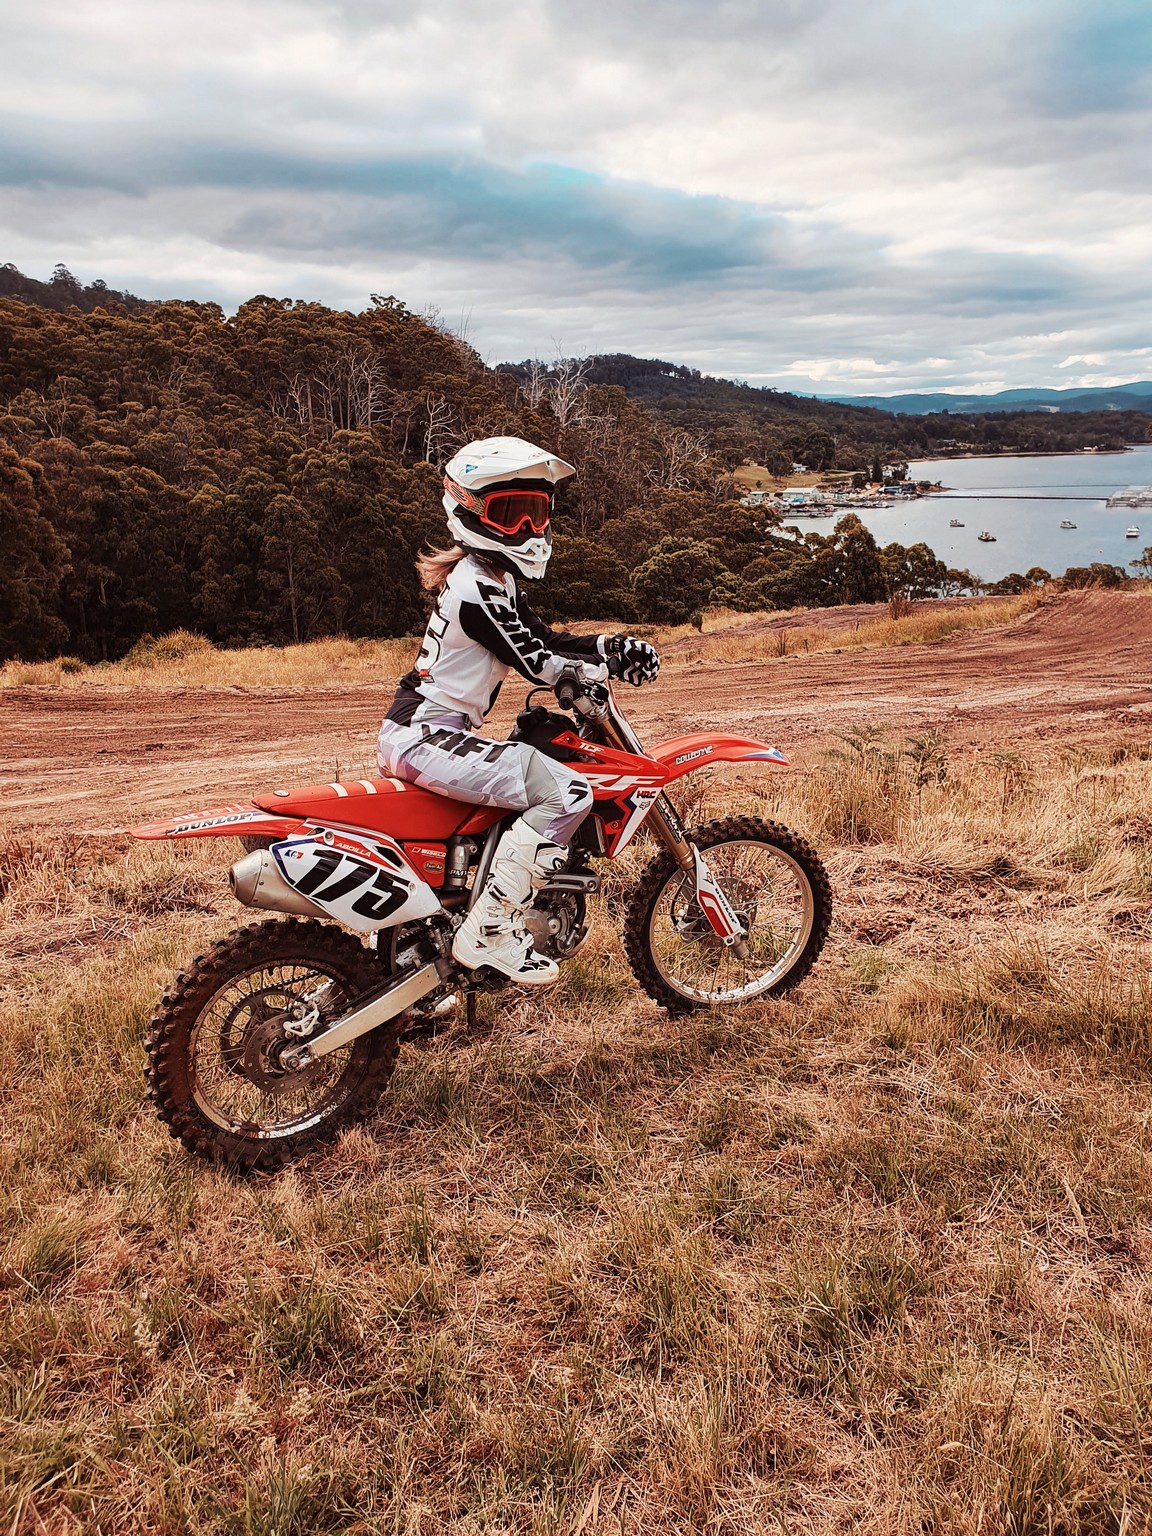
(221, 821)
(684, 754)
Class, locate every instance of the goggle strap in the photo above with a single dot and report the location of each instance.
(465, 498)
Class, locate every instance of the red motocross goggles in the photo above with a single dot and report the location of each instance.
(506, 512)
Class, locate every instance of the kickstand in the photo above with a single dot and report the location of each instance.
(470, 1010)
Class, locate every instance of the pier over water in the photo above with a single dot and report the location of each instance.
(1132, 496)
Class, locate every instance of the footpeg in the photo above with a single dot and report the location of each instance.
(573, 884)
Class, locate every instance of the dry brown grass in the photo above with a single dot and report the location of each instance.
(189, 661)
(750, 477)
(733, 637)
(181, 660)
(873, 1259)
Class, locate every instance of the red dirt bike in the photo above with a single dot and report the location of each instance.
(285, 1032)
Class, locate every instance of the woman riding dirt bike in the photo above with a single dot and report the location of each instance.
(469, 866)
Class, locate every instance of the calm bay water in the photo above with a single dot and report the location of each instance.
(1027, 531)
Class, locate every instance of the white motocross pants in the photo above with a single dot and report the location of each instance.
(446, 755)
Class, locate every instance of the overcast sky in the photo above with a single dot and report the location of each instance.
(821, 194)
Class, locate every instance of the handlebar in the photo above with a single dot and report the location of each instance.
(573, 693)
(595, 703)
(567, 689)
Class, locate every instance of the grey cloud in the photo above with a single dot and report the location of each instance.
(425, 203)
(750, 186)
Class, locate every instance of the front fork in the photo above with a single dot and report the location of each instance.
(665, 822)
(714, 904)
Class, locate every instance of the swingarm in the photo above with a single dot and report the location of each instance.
(400, 994)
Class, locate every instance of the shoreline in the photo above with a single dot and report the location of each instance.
(1039, 453)
(1023, 502)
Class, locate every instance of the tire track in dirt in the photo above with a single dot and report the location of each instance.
(102, 758)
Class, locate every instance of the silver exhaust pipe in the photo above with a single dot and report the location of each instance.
(257, 882)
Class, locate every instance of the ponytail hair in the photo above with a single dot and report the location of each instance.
(434, 566)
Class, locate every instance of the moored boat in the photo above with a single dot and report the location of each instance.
(1132, 533)
(955, 523)
(1067, 524)
(986, 537)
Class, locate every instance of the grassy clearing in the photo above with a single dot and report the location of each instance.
(872, 1259)
(756, 476)
(189, 661)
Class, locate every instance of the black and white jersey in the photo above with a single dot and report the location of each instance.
(480, 628)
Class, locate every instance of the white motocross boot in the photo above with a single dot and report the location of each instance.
(493, 933)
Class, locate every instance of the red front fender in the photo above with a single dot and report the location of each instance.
(684, 754)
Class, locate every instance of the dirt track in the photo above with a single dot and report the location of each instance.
(90, 759)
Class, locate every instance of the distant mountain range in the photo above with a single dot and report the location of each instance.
(1111, 397)
(763, 425)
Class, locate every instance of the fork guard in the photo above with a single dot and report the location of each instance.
(715, 905)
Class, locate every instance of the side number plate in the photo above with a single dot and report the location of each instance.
(368, 890)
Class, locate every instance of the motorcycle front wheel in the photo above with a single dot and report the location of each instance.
(215, 1042)
(778, 887)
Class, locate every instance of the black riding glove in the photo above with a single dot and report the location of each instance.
(633, 660)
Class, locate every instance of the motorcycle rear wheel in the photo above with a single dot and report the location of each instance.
(778, 886)
(212, 1045)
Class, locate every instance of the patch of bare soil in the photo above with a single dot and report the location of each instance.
(1076, 669)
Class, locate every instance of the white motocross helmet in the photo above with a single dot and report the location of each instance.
(498, 497)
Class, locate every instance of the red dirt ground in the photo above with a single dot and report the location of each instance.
(101, 758)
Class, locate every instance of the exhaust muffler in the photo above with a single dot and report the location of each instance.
(257, 882)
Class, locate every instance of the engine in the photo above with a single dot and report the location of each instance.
(558, 923)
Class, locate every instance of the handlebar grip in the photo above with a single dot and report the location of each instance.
(566, 691)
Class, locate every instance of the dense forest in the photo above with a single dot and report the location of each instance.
(269, 476)
(772, 427)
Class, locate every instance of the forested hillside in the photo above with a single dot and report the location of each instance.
(772, 427)
(270, 477)
(263, 477)
(63, 291)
